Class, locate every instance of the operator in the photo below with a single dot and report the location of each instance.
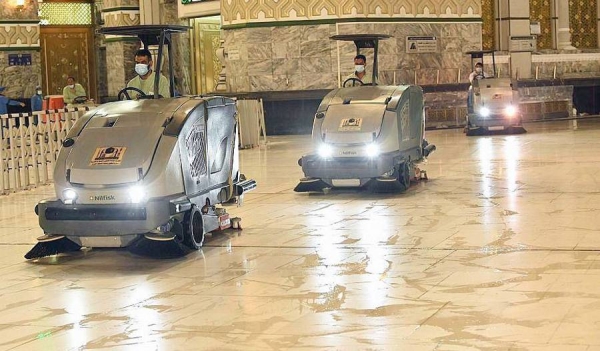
(72, 90)
(477, 74)
(145, 75)
(4, 102)
(360, 73)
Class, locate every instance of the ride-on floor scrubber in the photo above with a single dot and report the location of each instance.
(152, 169)
(367, 135)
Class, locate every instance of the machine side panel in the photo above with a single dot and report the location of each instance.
(192, 146)
(220, 142)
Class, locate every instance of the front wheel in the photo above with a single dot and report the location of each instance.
(194, 235)
(404, 176)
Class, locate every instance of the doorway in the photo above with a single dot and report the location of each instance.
(205, 41)
(67, 51)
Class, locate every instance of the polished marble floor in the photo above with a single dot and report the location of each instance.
(498, 250)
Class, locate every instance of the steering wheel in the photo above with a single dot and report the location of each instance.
(354, 82)
(124, 93)
(80, 99)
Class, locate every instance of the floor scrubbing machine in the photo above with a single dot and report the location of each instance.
(493, 102)
(367, 135)
(153, 169)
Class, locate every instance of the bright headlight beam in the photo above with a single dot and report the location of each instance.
(325, 151)
(510, 110)
(484, 112)
(69, 196)
(372, 150)
(137, 194)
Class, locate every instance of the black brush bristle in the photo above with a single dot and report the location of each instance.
(158, 249)
(50, 248)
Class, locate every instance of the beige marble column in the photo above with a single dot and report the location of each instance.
(563, 31)
(515, 22)
(120, 50)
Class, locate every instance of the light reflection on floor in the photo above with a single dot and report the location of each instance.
(498, 250)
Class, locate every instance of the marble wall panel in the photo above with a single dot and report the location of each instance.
(315, 48)
(260, 35)
(314, 32)
(295, 81)
(260, 67)
(314, 53)
(260, 51)
(20, 81)
(268, 82)
(319, 81)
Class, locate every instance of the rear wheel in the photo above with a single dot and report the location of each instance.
(194, 235)
(404, 176)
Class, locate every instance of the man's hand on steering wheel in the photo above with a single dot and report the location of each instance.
(355, 82)
(80, 99)
(124, 93)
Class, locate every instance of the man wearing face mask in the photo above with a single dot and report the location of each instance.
(37, 101)
(477, 74)
(360, 63)
(145, 75)
(72, 90)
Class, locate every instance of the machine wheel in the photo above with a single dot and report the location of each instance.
(404, 176)
(194, 234)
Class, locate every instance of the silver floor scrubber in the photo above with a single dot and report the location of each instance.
(367, 135)
(494, 102)
(152, 169)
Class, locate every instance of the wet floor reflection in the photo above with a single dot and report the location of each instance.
(498, 250)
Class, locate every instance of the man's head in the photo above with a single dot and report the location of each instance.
(71, 81)
(479, 67)
(143, 62)
(360, 61)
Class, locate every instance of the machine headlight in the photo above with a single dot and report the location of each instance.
(372, 150)
(510, 111)
(137, 194)
(484, 112)
(69, 195)
(325, 151)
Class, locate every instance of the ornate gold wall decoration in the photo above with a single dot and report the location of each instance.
(243, 11)
(488, 33)
(583, 22)
(540, 11)
(121, 18)
(19, 35)
(65, 13)
(206, 37)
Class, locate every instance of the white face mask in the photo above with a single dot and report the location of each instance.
(359, 68)
(478, 69)
(39, 92)
(72, 86)
(141, 69)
